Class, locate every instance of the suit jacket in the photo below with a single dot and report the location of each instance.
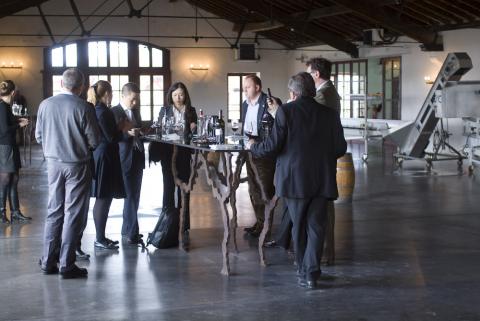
(262, 108)
(130, 157)
(307, 140)
(328, 96)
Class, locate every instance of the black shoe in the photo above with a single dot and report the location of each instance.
(250, 229)
(111, 241)
(74, 273)
(256, 232)
(136, 240)
(18, 216)
(4, 216)
(82, 256)
(309, 284)
(271, 244)
(105, 245)
(49, 270)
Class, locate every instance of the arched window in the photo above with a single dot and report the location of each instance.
(116, 60)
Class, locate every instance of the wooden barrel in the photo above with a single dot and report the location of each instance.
(345, 178)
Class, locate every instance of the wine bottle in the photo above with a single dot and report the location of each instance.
(220, 128)
(267, 124)
(200, 123)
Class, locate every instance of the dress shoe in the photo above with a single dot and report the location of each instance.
(82, 256)
(271, 244)
(111, 241)
(105, 245)
(136, 240)
(251, 228)
(4, 216)
(308, 284)
(74, 273)
(18, 216)
(50, 270)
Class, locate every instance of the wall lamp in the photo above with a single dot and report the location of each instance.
(428, 80)
(12, 65)
(199, 67)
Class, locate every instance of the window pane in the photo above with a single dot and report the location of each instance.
(143, 56)
(57, 57)
(157, 57)
(234, 97)
(118, 54)
(97, 54)
(145, 97)
(57, 84)
(158, 97)
(117, 82)
(71, 55)
(158, 83)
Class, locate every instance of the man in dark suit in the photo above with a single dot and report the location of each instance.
(254, 109)
(307, 139)
(320, 69)
(132, 158)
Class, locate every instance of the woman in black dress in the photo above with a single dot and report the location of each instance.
(108, 181)
(179, 109)
(9, 154)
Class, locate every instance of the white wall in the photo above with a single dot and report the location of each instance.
(207, 89)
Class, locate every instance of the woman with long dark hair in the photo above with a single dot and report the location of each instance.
(107, 181)
(9, 154)
(180, 109)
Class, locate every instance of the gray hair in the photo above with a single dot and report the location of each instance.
(73, 78)
(302, 85)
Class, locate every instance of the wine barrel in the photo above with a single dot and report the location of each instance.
(345, 178)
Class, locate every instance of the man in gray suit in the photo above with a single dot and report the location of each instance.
(320, 69)
(68, 131)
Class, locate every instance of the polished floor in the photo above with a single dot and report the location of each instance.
(408, 248)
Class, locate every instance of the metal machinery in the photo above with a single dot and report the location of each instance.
(448, 98)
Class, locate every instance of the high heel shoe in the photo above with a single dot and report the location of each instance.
(3, 213)
(16, 215)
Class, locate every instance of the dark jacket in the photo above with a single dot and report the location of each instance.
(8, 125)
(164, 151)
(262, 108)
(130, 157)
(107, 181)
(328, 96)
(307, 140)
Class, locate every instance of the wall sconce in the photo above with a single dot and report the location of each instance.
(199, 67)
(12, 65)
(428, 80)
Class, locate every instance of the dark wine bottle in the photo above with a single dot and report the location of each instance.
(267, 124)
(220, 128)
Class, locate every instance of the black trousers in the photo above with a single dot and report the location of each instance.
(133, 184)
(309, 217)
(283, 235)
(169, 188)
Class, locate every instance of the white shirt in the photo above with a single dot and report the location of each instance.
(320, 87)
(250, 125)
(127, 111)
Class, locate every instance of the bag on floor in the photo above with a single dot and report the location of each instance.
(165, 233)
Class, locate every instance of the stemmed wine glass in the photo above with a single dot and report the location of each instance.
(235, 126)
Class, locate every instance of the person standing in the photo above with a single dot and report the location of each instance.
(9, 155)
(253, 110)
(320, 69)
(307, 140)
(68, 131)
(132, 159)
(179, 108)
(108, 180)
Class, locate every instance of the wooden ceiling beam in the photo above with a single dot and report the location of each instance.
(302, 28)
(381, 17)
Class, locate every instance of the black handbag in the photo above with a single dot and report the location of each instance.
(165, 233)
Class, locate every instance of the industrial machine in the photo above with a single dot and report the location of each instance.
(448, 98)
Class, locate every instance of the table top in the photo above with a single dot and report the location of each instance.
(230, 145)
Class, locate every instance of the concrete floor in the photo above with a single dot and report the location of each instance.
(407, 249)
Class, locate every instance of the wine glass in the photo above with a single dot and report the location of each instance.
(235, 126)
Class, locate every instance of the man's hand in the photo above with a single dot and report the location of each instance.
(22, 122)
(272, 105)
(250, 142)
(134, 132)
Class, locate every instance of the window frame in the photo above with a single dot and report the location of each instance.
(133, 70)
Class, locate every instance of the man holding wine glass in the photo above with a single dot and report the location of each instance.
(254, 109)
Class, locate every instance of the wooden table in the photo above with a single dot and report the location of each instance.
(224, 181)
